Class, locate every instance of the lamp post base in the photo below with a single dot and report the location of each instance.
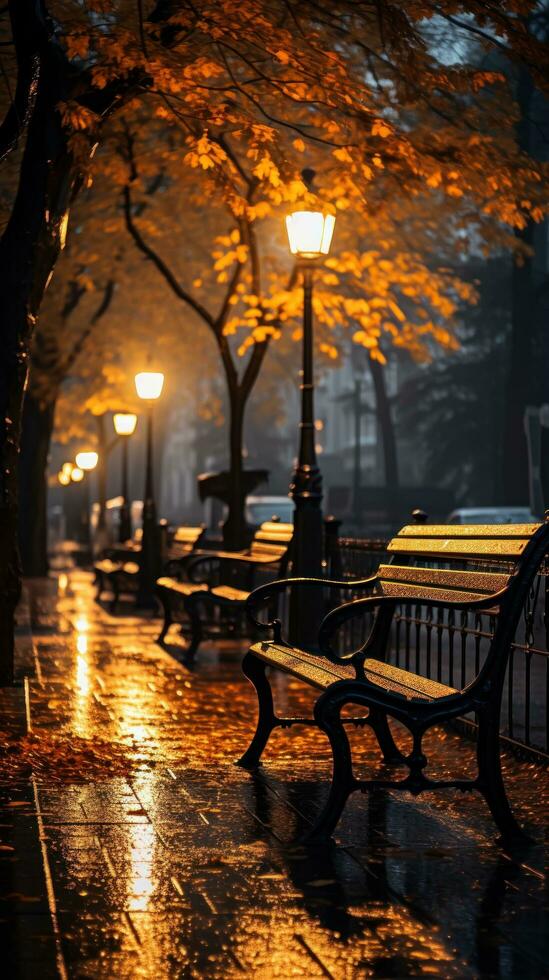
(306, 604)
(125, 526)
(149, 565)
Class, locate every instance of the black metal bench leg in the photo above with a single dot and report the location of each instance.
(327, 717)
(390, 750)
(197, 633)
(115, 594)
(254, 670)
(491, 780)
(168, 619)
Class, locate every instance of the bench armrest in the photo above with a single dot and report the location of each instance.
(262, 595)
(358, 607)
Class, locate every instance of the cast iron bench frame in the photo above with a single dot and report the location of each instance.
(392, 692)
(202, 594)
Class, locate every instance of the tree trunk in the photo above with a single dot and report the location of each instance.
(234, 528)
(29, 248)
(522, 387)
(388, 437)
(36, 433)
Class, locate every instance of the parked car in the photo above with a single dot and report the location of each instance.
(262, 508)
(492, 515)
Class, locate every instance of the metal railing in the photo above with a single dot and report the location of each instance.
(451, 648)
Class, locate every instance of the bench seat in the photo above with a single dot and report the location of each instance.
(229, 593)
(182, 588)
(107, 566)
(320, 672)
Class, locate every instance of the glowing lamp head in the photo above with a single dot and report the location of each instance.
(310, 233)
(67, 468)
(64, 478)
(124, 423)
(86, 461)
(149, 384)
(77, 474)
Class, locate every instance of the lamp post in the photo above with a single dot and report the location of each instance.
(309, 235)
(148, 385)
(86, 462)
(124, 426)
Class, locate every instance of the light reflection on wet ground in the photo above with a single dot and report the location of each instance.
(183, 867)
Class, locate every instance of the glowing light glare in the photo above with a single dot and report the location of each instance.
(77, 474)
(310, 233)
(149, 384)
(319, 425)
(124, 423)
(82, 643)
(82, 624)
(67, 468)
(63, 582)
(64, 478)
(86, 461)
(82, 669)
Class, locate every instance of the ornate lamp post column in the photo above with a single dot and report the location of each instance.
(309, 234)
(124, 426)
(148, 385)
(86, 462)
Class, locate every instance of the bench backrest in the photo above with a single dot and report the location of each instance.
(273, 539)
(185, 539)
(465, 563)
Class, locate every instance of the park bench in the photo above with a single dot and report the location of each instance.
(118, 571)
(487, 571)
(211, 596)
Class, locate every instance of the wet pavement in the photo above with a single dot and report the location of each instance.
(132, 847)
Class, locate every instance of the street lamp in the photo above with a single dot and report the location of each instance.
(309, 235)
(148, 385)
(124, 426)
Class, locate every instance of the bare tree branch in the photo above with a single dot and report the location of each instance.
(162, 267)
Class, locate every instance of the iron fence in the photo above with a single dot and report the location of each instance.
(451, 648)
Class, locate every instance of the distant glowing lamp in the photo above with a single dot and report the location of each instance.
(149, 384)
(77, 474)
(87, 461)
(124, 423)
(64, 478)
(67, 468)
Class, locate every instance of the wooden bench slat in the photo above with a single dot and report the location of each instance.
(426, 594)
(182, 588)
(188, 534)
(467, 531)
(466, 548)
(230, 593)
(305, 666)
(483, 582)
(321, 673)
(275, 528)
(404, 682)
(264, 549)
